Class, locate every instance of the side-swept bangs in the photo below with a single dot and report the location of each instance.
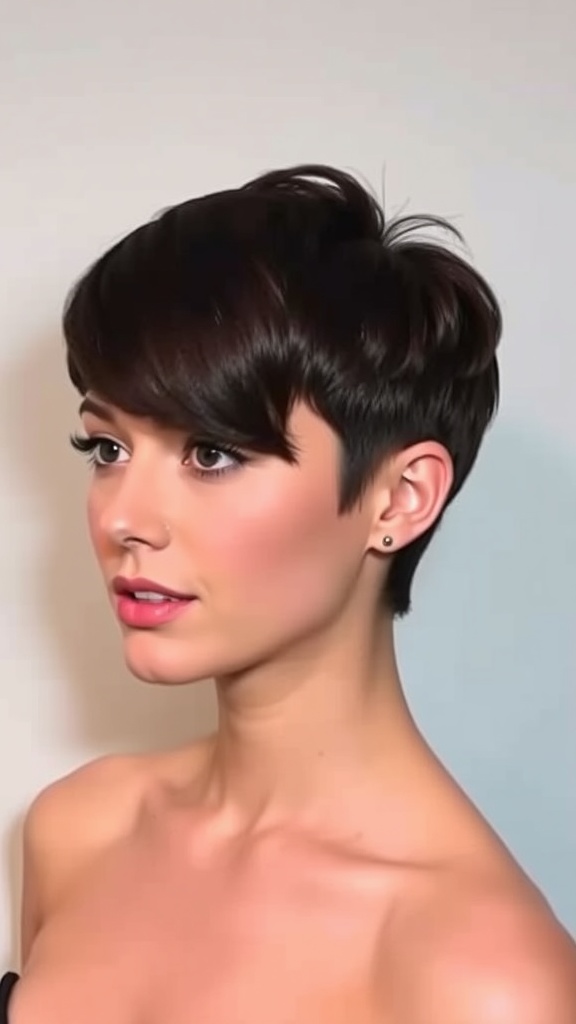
(184, 324)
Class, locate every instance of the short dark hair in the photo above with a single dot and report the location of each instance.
(222, 311)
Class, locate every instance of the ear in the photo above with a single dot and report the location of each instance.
(414, 486)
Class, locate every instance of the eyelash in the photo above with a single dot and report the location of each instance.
(88, 446)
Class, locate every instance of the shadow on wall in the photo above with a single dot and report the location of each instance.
(12, 858)
(112, 710)
(487, 654)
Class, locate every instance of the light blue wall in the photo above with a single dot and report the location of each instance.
(489, 652)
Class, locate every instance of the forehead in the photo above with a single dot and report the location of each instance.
(310, 430)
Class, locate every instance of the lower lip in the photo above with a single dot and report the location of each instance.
(148, 614)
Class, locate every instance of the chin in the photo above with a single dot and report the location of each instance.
(161, 660)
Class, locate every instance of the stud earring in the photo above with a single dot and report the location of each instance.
(387, 541)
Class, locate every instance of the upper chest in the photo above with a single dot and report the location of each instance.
(153, 933)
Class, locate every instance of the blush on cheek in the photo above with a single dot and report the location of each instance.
(282, 567)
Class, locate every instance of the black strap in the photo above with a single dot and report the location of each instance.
(7, 983)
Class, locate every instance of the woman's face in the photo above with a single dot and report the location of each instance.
(258, 545)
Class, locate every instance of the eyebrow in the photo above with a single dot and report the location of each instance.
(90, 405)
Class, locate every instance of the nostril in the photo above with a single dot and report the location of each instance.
(155, 535)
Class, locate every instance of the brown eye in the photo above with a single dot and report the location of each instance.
(101, 451)
(208, 455)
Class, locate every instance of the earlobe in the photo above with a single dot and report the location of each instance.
(417, 489)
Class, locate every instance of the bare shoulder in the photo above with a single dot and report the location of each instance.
(100, 800)
(66, 824)
(84, 805)
(504, 959)
(75, 819)
(487, 951)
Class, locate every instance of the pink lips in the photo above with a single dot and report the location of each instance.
(156, 606)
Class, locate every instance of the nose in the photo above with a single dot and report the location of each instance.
(132, 516)
(156, 536)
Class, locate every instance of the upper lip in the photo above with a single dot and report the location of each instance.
(123, 585)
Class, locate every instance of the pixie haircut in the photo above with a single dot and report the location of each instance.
(223, 311)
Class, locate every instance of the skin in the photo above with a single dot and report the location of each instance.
(312, 861)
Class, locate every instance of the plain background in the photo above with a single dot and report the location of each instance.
(110, 112)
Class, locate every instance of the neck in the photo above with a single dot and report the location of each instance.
(310, 746)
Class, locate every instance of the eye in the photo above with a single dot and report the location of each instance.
(213, 451)
(101, 451)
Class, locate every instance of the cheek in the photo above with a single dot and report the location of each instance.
(287, 560)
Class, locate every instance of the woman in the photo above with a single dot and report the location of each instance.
(281, 394)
